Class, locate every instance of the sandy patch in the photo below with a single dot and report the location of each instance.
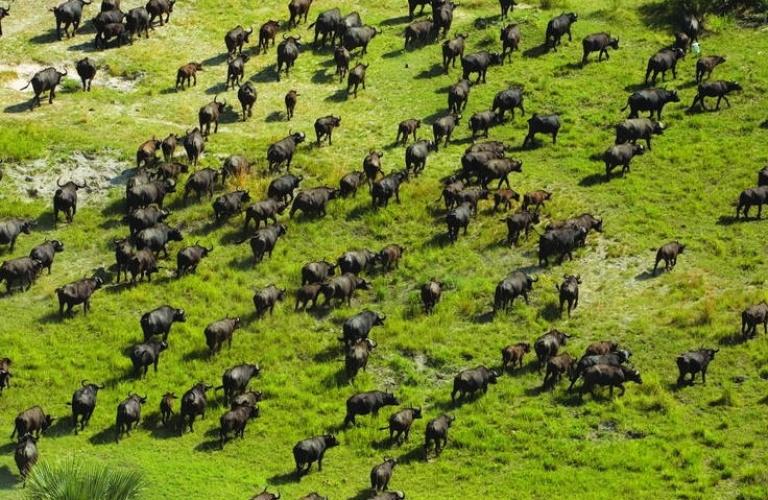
(16, 76)
(37, 178)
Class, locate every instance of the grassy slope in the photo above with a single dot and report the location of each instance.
(699, 442)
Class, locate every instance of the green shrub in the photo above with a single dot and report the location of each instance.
(73, 479)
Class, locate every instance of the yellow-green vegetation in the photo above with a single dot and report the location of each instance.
(704, 441)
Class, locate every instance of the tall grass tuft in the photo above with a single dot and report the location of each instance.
(73, 479)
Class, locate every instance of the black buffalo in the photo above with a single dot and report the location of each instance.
(45, 252)
(219, 332)
(128, 415)
(25, 454)
(706, 65)
(147, 194)
(342, 58)
(514, 285)
(324, 127)
(621, 154)
(719, 89)
(65, 199)
(357, 357)
(156, 238)
(360, 325)
(342, 288)
(287, 53)
(544, 124)
(458, 218)
(356, 261)
(136, 21)
(383, 189)
(437, 433)
(508, 100)
(33, 420)
(78, 292)
(479, 63)
(10, 229)
(326, 24)
(283, 187)
(510, 41)
(568, 291)
(358, 36)
(372, 165)
(83, 403)
(159, 321)
(356, 78)
(193, 403)
(142, 264)
(45, 80)
(561, 243)
(194, 145)
(157, 8)
(236, 70)
(310, 450)
(400, 423)
(236, 38)
(482, 121)
(143, 218)
(663, 61)
(668, 253)
(651, 100)
(230, 204)
(366, 403)
(406, 128)
(235, 380)
(349, 184)
(752, 317)
(416, 155)
(266, 211)
(247, 95)
(317, 272)
(20, 272)
(430, 295)
(201, 182)
(382, 474)
(694, 362)
(612, 376)
(313, 201)
(453, 49)
(547, 346)
(265, 299)
(211, 113)
(458, 96)
(282, 151)
(67, 14)
(145, 355)
(235, 420)
(86, 70)
(290, 103)
(600, 43)
(557, 27)
(634, 129)
(617, 358)
(443, 127)
(467, 382)
(264, 241)
(521, 222)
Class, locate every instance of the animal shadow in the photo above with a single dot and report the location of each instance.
(7, 479)
(198, 354)
(284, 478)
(321, 76)
(105, 436)
(537, 51)
(209, 446)
(394, 20)
(435, 70)
(645, 275)
(216, 89)
(18, 108)
(215, 60)
(484, 317)
(330, 353)
(416, 454)
(62, 426)
(340, 95)
(87, 46)
(634, 87)
(153, 424)
(551, 312)
(275, 116)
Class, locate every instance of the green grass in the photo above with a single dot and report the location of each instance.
(699, 442)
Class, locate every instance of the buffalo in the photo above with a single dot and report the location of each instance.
(230, 204)
(324, 128)
(236, 70)
(247, 95)
(556, 367)
(326, 24)
(458, 96)
(235, 420)
(430, 295)
(510, 40)
(561, 243)
(407, 128)
(282, 188)
(201, 182)
(473, 380)
(312, 450)
(504, 198)
(235, 380)
(508, 100)
(557, 27)
(514, 285)
(342, 58)
(612, 376)
(264, 241)
(453, 49)
(694, 362)
(68, 14)
(633, 129)
(45, 80)
(236, 38)
(281, 152)
(651, 100)
(265, 299)
(621, 154)
(420, 31)
(78, 292)
(5, 373)
(383, 189)
(194, 145)
(358, 36)
(443, 127)
(343, 288)
(159, 321)
(547, 345)
(83, 403)
(287, 53)
(146, 155)
(266, 211)
(157, 8)
(33, 420)
(600, 43)
(166, 407)
(4, 12)
(168, 147)
(267, 32)
(706, 65)
(156, 238)
(544, 124)
(236, 167)
(317, 272)
(142, 264)
(10, 230)
(437, 433)
(360, 325)
(513, 354)
(22, 271)
(297, 9)
(193, 403)
(211, 113)
(382, 474)
(521, 222)
(188, 73)
(416, 155)
(306, 294)
(390, 256)
(350, 182)
(372, 166)
(150, 193)
(663, 61)
(128, 415)
(400, 423)
(506, 6)
(219, 332)
(615, 358)
(146, 354)
(25, 454)
(86, 70)
(136, 21)
(65, 199)
(719, 89)
(356, 78)
(366, 403)
(479, 63)
(568, 291)
(313, 201)
(752, 317)
(668, 253)
(357, 357)
(458, 218)
(290, 103)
